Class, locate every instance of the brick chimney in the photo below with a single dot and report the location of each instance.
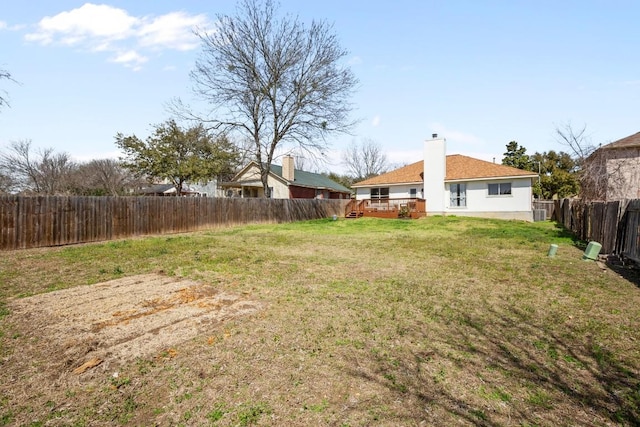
(287, 168)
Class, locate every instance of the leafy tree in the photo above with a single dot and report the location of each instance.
(273, 80)
(558, 177)
(178, 155)
(365, 160)
(516, 156)
(558, 170)
(345, 180)
(35, 171)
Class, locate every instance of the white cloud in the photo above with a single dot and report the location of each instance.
(88, 156)
(131, 59)
(401, 158)
(7, 27)
(173, 30)
(631, 83)
(104, 28)
(89, 23)
(376, 121)
(356, 60)
(455, 135)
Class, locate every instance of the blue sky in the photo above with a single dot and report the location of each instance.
(479, 73)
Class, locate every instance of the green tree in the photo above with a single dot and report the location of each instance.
(516, 156)
(345, 180)
(274, 81)
(178, 155)
(558, 174)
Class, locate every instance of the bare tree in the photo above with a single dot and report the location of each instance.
(274, 80)
(39, 172)
(365, 160)
(6, 183)
(576, 139)
(104, 177)
(4, 74)
(595, 173)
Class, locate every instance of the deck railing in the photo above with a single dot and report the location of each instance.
(387, 208)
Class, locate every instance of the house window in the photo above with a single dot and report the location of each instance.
(380, 193)
(458, 195)
(502, 189)
(413, 193)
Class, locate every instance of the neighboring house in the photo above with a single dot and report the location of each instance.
(208, 189)
(285, 182)
(452, 185)
(612, 172)
(158, 190)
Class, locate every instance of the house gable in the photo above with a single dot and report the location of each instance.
(481, 188)
(458, 167)
(613, 171)
(305, 185)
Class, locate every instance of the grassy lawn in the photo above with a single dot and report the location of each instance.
(440, 321)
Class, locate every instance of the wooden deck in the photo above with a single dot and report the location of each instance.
(386, 208)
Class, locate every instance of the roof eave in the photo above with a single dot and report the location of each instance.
(395, 184)
(486, 178)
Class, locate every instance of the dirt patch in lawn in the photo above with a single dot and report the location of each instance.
(124, 319)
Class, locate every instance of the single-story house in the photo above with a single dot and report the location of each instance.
(612, 172)
(285, 182)
(164, 190)
(451, 185)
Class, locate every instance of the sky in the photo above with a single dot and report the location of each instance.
(479, 73)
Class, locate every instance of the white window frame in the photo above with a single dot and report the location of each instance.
(501, 192)
(379, 196)
(460, 193)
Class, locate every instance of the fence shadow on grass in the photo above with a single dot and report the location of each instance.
(628, 271)
(534, 373)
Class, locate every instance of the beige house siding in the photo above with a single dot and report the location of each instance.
(251, 177)
(612, 174)
(623, 170)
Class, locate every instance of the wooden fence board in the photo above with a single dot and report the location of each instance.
(38, 221)
(612, 224)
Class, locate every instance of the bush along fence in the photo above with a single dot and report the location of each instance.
(615, 225)
(29, 222)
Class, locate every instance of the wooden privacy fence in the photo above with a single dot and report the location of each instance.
(615, 225)
(547, 205)
(29, 222)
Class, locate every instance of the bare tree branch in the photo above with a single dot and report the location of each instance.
(4, 74)
(597, 175)
(365, 160)
(274, 81)
(41, 172)
(576, 139)
(104, 177)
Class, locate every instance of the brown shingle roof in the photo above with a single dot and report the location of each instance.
(630, 141)
(404, 175)
(464, 167)
(458, 167)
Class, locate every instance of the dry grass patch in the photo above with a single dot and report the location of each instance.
(439, 321)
